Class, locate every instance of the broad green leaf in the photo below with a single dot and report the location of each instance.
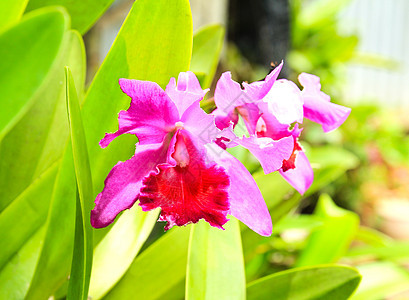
(84, 13)
(373, 237)
(398, 250)
(55, 260)
(83, 245)
(318, 282)
(153, 44)
(15, 277)
(30, 212)
(380, 280)
(25, 66)
(54, 263)
(11, 12)
(115, 253)
(26, 150)
(159, 272)
(328, 243)
(207, 45)
(215, 268)
(307, 222)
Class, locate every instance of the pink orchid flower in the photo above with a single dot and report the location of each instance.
(273, 109)
(177, 166)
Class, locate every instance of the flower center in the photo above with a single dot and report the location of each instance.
(179, 125)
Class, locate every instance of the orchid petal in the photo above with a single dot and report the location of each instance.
(250, 114)
(269, 153)
(199, 123)
(186, 92)
(301, 176)
(228, 94)
(317, 105)
(151, 115)
(224, 120)
(124, 182)
(246, 202)
(285, 102)
(259, 89)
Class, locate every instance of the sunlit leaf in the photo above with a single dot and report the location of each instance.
(33, 83)
(15, 234)
(215, 268)
(115, 253)
(83, 245)
(159, 272)
(15, 277)
(84, 13)
(55, 259)
(319, 282)
(11, 12)
(329, 242)
(25, 66)
(207, 45)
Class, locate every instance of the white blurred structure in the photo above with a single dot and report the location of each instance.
(208, 12)
(383, 30)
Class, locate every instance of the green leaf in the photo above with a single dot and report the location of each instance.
(328, 243)
(15, 234)
(25, 66)
(11, 12)
(207, 45)
(153, 44)
(83, 245)
(54, 263)
(391, 251)
(373, 237)
(16, 275)
(307, 222)
(37, 140)
(159, 272)
(55, 260)
(215, 268)
(115, 253)
(381, 280)
(84, 13)
(322, 282)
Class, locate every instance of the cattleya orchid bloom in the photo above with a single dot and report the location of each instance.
(178, 166)
(274, 109)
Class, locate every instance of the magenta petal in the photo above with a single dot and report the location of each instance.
(202, 125)
(250, 114)
(151, 115)
(246, 202)
(269, 153)
(191, 190)
(258, 89)
(317, 105)
(186, 92)
(124, 182)
(302, 176)
(224, 120)
(228, 94)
